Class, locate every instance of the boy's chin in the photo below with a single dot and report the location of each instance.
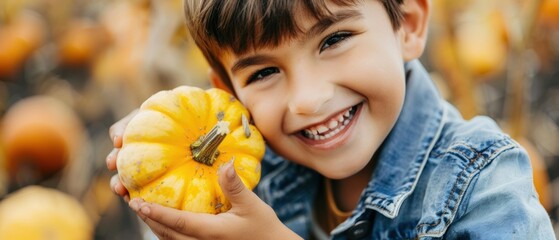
(342, 172)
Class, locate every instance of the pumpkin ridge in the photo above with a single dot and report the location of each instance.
(243, 164)
(170, 142)
(183, 170)
(237, 141)
(177, 168)
(221, 202)
(197, 191)
(131, 180)
(187, 105)
(142, 128)
(233, 113)
(183, 112)
(175, 117)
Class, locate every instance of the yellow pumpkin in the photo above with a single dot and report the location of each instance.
(36, 212)
(172, 149)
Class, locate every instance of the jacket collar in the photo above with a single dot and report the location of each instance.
(407, 147)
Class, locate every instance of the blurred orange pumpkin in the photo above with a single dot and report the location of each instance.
(36, 212)
(18, 39)
(81, 43)
(173, 147)
(549, 12)
(39, 135)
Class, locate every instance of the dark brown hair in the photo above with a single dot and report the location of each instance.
(243, 25)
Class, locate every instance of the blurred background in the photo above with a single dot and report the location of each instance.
(71, 68)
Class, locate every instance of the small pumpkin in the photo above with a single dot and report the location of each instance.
(40, 135)
(548, 12)
(18, 40)
(36, 212)
(172, 149)
(81, 43)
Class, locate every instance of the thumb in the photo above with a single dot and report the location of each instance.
(233, 187)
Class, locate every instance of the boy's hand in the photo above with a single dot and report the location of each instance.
(249, 217)
(115, 132)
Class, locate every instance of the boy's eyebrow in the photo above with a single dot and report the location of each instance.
(321, 26)
(330, 20)
(248, 61)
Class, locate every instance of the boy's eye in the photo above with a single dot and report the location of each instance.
(262, 74)
(334, 39)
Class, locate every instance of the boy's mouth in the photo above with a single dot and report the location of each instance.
(331, 127)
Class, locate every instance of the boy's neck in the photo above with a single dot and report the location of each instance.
(348, 190)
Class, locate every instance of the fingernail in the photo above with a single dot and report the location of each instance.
(231, 170)
(134, 205)
(110, 157)
(224, 166)
(145, 210)
(122, 189)
(116, 142)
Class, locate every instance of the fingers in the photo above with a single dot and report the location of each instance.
(160, 230)
(166, 221)
(233, 188)
(111, 159)
(116, 130)
(116, 185)
(118, 188)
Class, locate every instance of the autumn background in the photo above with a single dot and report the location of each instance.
(71, 68)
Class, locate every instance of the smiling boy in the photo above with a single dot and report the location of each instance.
(361, 146)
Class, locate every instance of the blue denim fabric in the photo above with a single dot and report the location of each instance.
(437, 177)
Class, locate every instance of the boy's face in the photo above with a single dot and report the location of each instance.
(329, 98)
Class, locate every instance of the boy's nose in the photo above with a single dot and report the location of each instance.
(309, 97)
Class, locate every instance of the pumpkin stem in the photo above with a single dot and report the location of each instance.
(204, 150)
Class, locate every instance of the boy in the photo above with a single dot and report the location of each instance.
(361, 146)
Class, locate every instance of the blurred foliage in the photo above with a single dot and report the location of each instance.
(500, 59)
(101, 59)
(94, 61)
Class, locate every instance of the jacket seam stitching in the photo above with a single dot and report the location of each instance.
(468, 180)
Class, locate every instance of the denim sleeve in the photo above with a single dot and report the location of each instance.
(503, 203)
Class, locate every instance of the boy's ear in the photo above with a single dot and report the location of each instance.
(414, 28)
(217, 82)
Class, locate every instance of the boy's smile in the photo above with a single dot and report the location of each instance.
(328, 98)
(331, 129)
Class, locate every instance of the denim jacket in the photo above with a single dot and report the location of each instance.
(437, 177)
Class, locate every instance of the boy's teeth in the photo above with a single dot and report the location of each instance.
(331, 128)
(333, 124)
(322, 128)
